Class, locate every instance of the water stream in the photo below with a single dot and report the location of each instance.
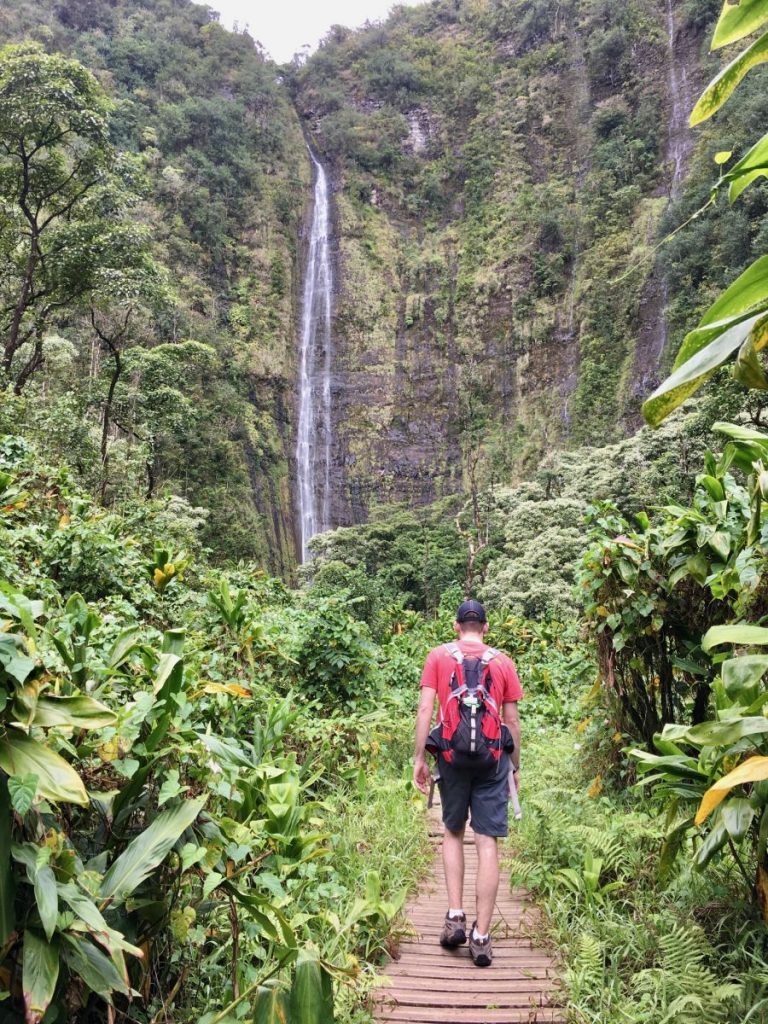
(313, 444)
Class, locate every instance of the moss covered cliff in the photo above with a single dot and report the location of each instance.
(499, 166)
(502, 171)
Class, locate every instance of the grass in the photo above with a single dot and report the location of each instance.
(380, 852)
(633, 950)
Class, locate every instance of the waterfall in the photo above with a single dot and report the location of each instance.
(313, 445)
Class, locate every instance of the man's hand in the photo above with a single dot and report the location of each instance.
(517, 780)
(422, 777)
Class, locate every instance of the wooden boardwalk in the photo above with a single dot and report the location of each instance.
(427, 984)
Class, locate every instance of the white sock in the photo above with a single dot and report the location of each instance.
(478, 937)
(452, 912)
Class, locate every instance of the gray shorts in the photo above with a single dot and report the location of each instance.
(484, 792)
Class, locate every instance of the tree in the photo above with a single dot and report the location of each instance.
(64, 230)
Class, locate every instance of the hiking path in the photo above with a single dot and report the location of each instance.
(427, 984)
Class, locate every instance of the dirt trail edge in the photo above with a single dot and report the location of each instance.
(431, 985)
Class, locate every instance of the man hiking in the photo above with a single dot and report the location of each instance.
(477, 736)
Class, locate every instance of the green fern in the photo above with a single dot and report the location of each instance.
(587, 973)
(612, 848)
(683, 989)
(683, 948)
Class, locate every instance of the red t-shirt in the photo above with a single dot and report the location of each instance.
(440, 666)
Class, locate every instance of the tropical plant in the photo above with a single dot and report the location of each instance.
(736, 321)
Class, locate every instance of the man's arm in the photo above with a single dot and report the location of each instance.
(421, 772)
(512, 721)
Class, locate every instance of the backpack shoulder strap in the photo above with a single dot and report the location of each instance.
(489, 654)
(455, 652)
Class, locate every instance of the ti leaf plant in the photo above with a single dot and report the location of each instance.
(29, 706)
(714, 774)
(737, 323)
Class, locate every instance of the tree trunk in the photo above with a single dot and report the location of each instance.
(107, 418)
(34, 363)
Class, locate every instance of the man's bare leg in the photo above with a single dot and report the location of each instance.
(487, 881)
(453, 865)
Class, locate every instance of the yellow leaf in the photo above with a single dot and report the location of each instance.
(583, 725)
(159, 577)
(233, 689)
(596, 788)
(617, 737)
(64, 521)
(754, 769)
(594, 690)
(109, 751)
(603, 612)
(723, 156)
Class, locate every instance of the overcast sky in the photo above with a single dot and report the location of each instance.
(283, 27)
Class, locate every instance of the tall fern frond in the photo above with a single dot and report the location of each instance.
(587, 973)
(684, 947)
(611, 848)
(684, 989)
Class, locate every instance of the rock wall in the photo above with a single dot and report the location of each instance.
(500, 172)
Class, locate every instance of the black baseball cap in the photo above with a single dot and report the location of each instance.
(471, 611)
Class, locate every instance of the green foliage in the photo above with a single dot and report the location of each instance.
(736, 321)
(409, 558)
(202, 804)
(197, 155)
(335, 655)
(639, 941)
(651, 593)
(67, 234)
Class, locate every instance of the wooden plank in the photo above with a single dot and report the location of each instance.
(475, 986)
(505, 948)
(435, 1015)
(530, 966)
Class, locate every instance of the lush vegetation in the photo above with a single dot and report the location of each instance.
(188, 813)
(205, 792)
(147, 288)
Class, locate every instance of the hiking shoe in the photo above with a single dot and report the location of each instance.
(480, 950)
(454, 931)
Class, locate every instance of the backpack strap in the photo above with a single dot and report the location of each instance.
(458, 689)
(488, 655)
(455, 652)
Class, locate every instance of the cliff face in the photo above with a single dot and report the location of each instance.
(499, 167)
(501, 170)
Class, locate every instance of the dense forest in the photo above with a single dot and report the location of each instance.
(545, 227)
